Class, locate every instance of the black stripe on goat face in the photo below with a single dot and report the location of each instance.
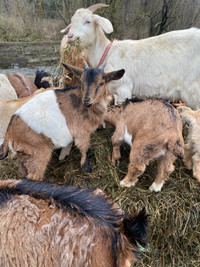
(93, 86)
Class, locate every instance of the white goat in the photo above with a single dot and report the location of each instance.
(166, 66)
(7, 91)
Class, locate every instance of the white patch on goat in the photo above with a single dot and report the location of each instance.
(43, 115)
(156, 187)
(127, 137)
(11, 148)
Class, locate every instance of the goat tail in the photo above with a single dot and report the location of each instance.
(4, 150)
(135, 228)
(176, 146)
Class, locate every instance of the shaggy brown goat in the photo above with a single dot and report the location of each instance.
(192, 146)
(22, 84)
(42, 224)
(53, 119)
(153, 129)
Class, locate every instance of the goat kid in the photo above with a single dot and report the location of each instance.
(192, 146)
(44, 224)
(153, 129)
(154, 67)
(55, 118)
(22, 84)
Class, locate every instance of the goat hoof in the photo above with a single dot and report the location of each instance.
(122, 184)
(156, 188)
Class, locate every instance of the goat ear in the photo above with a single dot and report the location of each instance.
(74, 70)
(114, 75)
(104, 23)
(66, 29)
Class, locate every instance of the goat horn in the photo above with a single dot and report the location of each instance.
(93, 8)
(85, 65)
(102, 66)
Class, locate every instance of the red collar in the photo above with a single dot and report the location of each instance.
(104, 54)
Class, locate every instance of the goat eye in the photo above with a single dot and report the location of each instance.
(87, 22)
(101, 84)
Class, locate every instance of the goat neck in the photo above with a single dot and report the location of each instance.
(97, 48)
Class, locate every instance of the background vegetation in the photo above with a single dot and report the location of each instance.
(29, 20)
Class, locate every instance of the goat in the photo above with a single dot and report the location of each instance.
(22, 84)
(6, 89)
(53, 119)
(192, 146)
(45, 224)
(154, 67)
(153, 129)
(40, 82)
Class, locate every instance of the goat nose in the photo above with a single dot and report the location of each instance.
(70, 35)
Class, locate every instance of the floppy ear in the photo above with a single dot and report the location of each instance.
(104, 23)
(66, 29)
(114, 75)
(74, 70)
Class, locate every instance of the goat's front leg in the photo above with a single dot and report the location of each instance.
(188, 155)
(83, 144)
(196, 166)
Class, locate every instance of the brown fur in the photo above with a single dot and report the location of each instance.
(192, 146)
(37, 230)
(156, 130)
(22, 84)
(83, 109)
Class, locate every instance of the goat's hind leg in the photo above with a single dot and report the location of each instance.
(36, 163)
(136, 167)
(165, 168)
(83, 145)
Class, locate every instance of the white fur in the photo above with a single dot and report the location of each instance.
(166, 66)
(127, 137)
(6, 89)
(156, 187)
(43, 115)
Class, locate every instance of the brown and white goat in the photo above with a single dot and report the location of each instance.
(53, 119)
(44, 224)
(153, 129)
(192, 146)
(22, 84)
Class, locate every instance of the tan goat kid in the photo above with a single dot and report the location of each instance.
(153, 129)
(192, 146)
(55, 118)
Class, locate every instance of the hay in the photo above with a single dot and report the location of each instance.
(174, 221)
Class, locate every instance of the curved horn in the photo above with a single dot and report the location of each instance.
(85, 65)
(102, 66)
(93, 8)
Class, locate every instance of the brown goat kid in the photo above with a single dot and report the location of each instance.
(192, 146)
(50, 225)
(153, 129)
(22, 84)
(55, 118)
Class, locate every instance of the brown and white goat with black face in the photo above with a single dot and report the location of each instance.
(153, 129)
(55, 118)
(50, 225)
(192, 146)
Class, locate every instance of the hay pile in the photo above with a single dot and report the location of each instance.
(174, 221)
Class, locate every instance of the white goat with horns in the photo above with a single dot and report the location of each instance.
(166, 66)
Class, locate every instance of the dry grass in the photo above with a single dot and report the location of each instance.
(174, 221)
